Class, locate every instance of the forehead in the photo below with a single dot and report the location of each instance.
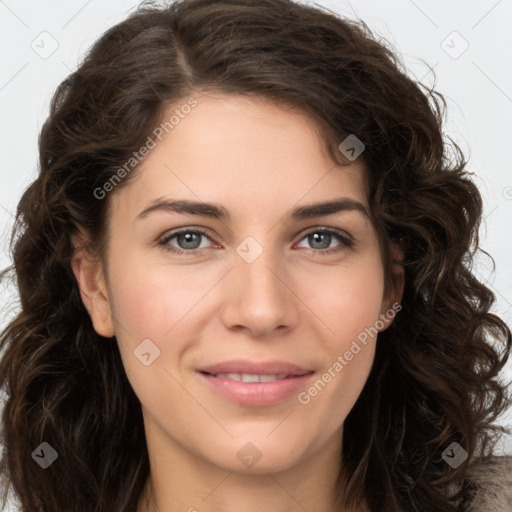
(245, 153)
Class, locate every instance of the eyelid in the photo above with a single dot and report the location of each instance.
(185, 229)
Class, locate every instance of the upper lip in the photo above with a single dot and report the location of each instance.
(273, 367)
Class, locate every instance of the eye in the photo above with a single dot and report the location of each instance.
(321, 238)
(187, 240)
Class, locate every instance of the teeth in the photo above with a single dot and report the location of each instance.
(247, 377)
(250, 378)
(268, 378)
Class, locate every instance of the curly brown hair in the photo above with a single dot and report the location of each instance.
(435, 378)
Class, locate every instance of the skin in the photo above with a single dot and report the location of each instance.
(258, 161)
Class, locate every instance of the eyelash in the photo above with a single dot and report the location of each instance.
(346, 242)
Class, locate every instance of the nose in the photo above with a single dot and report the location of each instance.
(258, 296)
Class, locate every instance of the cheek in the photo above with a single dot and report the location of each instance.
(152, 303)
(150, 300)
(349, 305)
(348, 299)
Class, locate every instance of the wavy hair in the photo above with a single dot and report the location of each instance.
(435, 378)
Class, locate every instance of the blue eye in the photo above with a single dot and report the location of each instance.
(189, 241)
(321, 238)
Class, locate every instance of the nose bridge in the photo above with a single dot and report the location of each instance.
(256, 266)
(259, 300)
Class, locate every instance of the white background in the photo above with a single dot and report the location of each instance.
(477, 85)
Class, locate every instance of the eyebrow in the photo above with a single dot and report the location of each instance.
(217, 211)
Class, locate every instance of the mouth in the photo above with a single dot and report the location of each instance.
(253, 384)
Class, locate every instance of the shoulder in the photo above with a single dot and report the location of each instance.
(493, 481)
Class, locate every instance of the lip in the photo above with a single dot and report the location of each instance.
(256, 394)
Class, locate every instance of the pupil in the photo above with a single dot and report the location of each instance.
(190, 243)
(316, 237)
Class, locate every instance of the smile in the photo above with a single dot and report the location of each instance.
(255, 384)
(248, 377)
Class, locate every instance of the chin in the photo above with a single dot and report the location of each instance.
(254, 455)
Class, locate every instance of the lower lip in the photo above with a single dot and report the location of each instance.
(256, 393)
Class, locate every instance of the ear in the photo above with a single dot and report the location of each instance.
(391, 302)
(91, 281)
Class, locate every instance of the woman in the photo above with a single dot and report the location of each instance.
(245, 281)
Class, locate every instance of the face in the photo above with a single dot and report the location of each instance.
(247, 336)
